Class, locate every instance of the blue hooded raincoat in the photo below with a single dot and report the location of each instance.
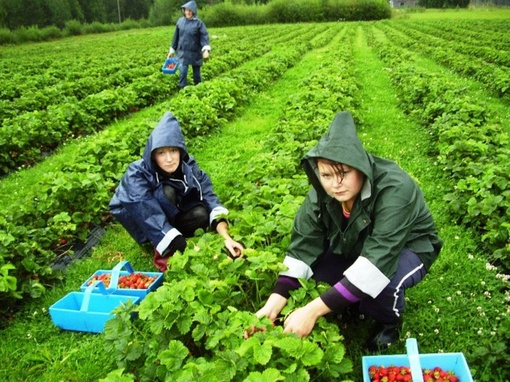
(139, 202)
(190, 38)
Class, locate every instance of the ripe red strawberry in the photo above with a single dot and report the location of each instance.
(438, 373)
(373, 372)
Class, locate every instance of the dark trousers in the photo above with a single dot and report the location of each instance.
(187, 222)
(389, 305)
(183, 76)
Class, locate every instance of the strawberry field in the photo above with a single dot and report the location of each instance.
(431, 94)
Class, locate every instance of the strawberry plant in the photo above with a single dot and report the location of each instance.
(193, 327)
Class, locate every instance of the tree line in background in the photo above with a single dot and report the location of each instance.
(77, 17)
(16, 14)
(43, 13)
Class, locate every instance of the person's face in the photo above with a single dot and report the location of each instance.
(187, 13)
(340, 181)
(167, 158)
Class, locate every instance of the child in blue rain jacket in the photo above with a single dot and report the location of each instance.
(165, 197)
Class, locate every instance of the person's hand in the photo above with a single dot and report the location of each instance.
(170, 54)
(205, 54)
(271, 310)
(273, 307)
(302, 320)
(235, 249)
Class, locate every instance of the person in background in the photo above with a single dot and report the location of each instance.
(164, 197)
(190, 44)
(364, 228)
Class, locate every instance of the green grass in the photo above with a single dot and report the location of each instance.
(456, 307)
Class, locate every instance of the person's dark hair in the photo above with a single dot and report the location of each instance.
(338, 168)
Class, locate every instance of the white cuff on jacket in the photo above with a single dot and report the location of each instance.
(297, 268)
(167, 239)
(206, 47)
(366, 277)
(172, 51)
(216, 212)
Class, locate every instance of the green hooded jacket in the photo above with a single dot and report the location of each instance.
(389, 214)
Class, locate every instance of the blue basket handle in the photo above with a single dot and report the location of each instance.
(114, 279)
(86, 296)
(414, 359)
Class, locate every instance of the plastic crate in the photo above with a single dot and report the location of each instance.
(170, 66)
(87, 311)
(455, 362)
(116, 272)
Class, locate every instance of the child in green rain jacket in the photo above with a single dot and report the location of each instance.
(364, 228)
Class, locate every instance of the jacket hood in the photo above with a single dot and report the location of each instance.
(191, 5)
(167, 133)
(340, 144)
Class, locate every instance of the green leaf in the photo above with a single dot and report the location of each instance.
(312, 353)
(268, 375)
(247, 346)
(263, 353)
(174, 356)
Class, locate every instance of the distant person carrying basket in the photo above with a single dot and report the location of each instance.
(190, 44)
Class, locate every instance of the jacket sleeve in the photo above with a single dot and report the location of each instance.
(136, 194)
(395, 213)
(175, 38)
(308, 239)
(204, 37)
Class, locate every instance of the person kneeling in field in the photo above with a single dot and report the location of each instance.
(164, 197)
(364, 228)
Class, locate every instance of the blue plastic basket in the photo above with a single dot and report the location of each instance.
(455, 362)
(87, 311)
(116, 272)
(170, 66)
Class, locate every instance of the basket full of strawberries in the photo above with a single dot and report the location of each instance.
(415, 367)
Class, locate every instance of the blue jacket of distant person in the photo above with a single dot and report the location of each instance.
(190, 38)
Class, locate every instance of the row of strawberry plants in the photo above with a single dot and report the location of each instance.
(470, 46)
(471, 145)
(71, 200)
(494, 77)
(192, 327)
(76, 84)
(88, 66)
(472, 31)
(27, 137)
(75, 76)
